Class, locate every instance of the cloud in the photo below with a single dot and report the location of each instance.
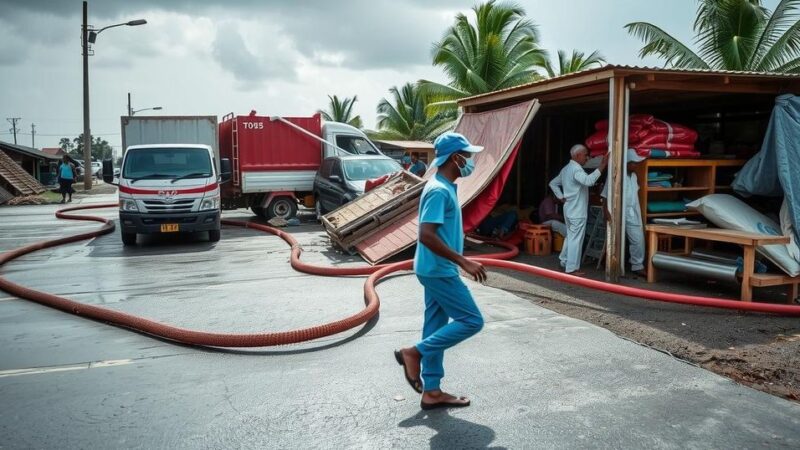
(252, 64)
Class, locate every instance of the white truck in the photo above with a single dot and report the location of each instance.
(170, 177)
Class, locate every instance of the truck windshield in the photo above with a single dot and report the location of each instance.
(367, 169)
(162, 163)
(356, 145)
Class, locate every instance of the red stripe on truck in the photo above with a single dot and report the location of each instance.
(197, 190)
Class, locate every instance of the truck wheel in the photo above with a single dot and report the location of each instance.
(283, 207)
(128, 239)
(259, 211)
(213, 235)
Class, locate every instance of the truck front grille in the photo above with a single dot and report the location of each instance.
(162, 207)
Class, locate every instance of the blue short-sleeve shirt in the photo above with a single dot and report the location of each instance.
(439, 205)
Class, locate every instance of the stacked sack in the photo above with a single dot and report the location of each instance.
(650, 137)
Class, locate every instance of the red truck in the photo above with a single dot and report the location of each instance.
(274, 160)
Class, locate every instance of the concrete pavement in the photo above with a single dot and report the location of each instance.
(537, 379)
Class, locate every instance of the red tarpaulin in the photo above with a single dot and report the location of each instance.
(500, 131)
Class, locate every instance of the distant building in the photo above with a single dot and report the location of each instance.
(396, 149)
(38, 164)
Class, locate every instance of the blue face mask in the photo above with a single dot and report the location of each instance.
(469, 167)
(406, 159)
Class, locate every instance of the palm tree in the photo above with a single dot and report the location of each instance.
(731, 35)
(341, 111)
(575, 63)
(407, 118)
(500, 50)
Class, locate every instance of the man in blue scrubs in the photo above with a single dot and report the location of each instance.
(439, 255)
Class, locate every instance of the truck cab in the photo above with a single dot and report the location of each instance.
(169, 188)
(348, 138)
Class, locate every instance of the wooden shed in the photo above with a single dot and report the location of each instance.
(730, 110)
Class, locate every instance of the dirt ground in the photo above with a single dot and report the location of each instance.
(759, 350)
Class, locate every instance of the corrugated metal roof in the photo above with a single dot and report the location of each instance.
(27, 150)
(643, 69)
(53, 151)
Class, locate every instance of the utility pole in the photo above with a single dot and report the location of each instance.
(33, 133)
(129, 105)
(13, 121)
(87, 133)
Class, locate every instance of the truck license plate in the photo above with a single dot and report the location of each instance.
(169, 227)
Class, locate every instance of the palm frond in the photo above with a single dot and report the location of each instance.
(660, 43)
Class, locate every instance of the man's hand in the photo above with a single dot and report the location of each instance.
(562, 200)
(475, 269)
(604, 162)
(606, 214)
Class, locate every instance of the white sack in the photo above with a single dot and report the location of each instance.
(727, 211)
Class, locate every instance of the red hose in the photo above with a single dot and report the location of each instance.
(371, 298)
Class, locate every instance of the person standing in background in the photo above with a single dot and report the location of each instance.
(418, 167)
(66, 177)
(571, 187)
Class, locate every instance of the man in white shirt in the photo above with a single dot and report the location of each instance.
(571, 187)
(633, 213)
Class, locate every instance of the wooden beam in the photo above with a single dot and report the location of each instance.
(539, 87)
(619, 116)
(719, 87)
(575, 93)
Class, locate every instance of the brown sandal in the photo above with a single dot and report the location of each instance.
(445, 404)
(415, 384)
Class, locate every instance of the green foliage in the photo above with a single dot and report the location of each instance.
(101, 149)
(341, 110)
(498, 50)
(731, 35)
(406, 118)
(575, 63)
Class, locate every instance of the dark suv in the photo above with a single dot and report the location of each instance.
(341, 179)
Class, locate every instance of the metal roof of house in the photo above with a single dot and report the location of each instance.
(7, 146)
(605, 72)
(53, 151)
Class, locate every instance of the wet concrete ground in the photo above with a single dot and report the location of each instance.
(537, 379)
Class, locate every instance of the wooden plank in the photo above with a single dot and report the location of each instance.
(652, 248)
(720, 235)
(614, 247)
(747, 272)
(772, 279)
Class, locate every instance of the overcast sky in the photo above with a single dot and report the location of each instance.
(203, 57)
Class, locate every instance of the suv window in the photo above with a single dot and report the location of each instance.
(325, 170)
(355, 144)
(337, 168)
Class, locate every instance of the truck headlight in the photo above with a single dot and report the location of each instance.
(128, 204)
(209, 203)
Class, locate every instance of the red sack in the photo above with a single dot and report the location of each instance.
(372, 184)
(674, 132)
(642, 120)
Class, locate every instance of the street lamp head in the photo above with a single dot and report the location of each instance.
(133, 23)
(158, 108)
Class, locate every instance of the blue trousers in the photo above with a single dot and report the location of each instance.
(445, 298)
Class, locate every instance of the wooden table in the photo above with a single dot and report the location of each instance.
(748, 241)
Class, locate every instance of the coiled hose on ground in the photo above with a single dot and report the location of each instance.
(372, 301)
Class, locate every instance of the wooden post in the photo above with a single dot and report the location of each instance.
(618, 117)
(747, 272)
(548, 175)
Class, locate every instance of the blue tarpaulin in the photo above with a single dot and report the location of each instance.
(775, 170)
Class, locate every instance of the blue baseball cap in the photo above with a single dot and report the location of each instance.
(448, 143)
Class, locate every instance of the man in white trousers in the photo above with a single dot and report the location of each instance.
(634, 232)
(571, 187)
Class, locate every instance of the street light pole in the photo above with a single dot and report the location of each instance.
(87, 134)
(129, 105)
(89, 36)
